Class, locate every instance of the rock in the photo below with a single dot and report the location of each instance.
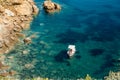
(3, 67)
(4, 74)
(27, 40)
(35, 9)
(6, 42)
(10, 57)
(29, 66)
(50, 6)
(2, 57)
(57, 6)
(12, 72)
(1, 9)
(1, 44)
(16, 2)
(25, 52)
(15, 15)
(24, 9)
(9, 12)
(112, 76)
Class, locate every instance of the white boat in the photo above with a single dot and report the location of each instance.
(71, 50)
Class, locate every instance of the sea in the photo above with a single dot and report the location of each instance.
(93, 26)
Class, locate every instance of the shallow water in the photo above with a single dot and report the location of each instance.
(92, 25)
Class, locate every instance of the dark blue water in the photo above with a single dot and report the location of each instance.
(93, 26)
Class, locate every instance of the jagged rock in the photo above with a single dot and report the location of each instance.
(50, 6)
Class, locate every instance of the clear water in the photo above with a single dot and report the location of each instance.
(92, 25)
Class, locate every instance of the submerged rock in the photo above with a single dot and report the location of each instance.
(25, 52)
(50, 6)
(27, 40)
(29, 66)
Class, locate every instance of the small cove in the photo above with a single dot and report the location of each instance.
(95, 32)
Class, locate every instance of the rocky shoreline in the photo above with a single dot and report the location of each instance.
(15, 16)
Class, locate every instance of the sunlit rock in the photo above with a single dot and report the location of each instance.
(50, 6)
(24, 9)
(9, 12)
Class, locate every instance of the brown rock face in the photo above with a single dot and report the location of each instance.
(15, 15)
(50, 6)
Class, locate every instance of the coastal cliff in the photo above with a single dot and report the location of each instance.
(15, 16)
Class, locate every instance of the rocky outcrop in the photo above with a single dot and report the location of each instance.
(113, 76)
(50, 6)
(15, 15)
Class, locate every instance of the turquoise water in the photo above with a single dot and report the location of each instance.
(93, 26)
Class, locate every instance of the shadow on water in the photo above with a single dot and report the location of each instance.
(96, 52)
(71, 37)
(61, 56)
